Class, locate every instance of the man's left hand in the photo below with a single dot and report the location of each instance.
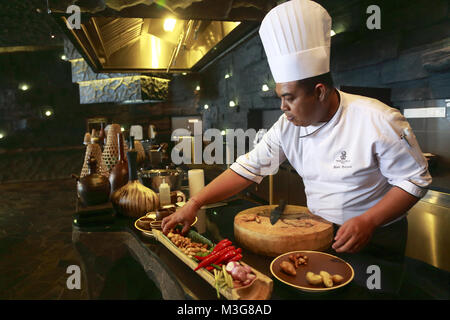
(353, 235)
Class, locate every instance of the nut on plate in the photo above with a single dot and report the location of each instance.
(298, 259)
(313, 279)
(288, 268)
(337, 278)
(326, 278)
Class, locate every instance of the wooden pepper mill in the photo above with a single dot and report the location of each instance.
(119, 174)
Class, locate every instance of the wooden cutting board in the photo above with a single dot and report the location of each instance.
(297, 229)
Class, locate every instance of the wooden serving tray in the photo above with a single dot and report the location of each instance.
(260, 289)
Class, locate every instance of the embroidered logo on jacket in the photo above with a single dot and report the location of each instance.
(341, 160)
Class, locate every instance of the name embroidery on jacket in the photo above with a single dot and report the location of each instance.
(341, 161)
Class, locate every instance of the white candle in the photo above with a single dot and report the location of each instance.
(136, 132)
(196, 179)
(151, 132)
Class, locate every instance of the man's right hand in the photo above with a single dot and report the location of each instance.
(185, 215)
(227, 184)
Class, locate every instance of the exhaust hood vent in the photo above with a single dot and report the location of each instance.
(126, 50)
(143, 44)
(133, 35)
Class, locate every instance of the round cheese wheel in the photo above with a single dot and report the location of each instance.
(297, 229)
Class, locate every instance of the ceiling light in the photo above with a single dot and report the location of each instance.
(197, 88)
(223, 132)
(332, 33)
(184, 73)
(24, 87)
(1, 136)
(169, 24)
(227, 76)
(265, 87)
(122, 129)
(232, 104)
(63, 57)
(48, 113)
(52, 36)
(205, 107)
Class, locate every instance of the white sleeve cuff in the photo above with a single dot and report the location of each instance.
(411, 188)
(243, 172)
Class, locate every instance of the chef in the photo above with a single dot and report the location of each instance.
(359, 159)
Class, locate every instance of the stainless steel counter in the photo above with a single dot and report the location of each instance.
(429, 230)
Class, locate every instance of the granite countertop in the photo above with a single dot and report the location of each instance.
(417, 280)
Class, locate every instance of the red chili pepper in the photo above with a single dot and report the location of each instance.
(220, 249)
(238, 250)
(222, 241)
(213, 257)
(237, 257)
(200, 258)
(227, 256)
(207, 261)
(221, 245)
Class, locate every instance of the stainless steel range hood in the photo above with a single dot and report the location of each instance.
(126, 50)
(139, 37)
(142, 44)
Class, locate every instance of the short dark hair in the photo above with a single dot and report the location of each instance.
(309, 84)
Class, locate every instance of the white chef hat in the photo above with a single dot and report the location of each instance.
(296, 38)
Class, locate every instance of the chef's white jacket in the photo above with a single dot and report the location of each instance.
(348, 163)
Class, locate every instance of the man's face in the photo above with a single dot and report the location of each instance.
(301, 108)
